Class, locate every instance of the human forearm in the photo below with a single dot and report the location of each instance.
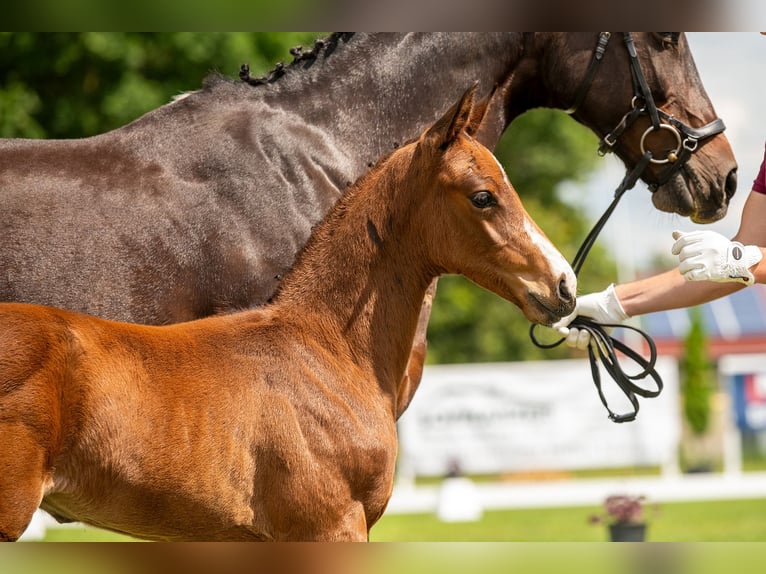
(670, 290)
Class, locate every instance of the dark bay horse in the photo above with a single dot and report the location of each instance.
(278, 422)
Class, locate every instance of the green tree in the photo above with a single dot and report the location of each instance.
(64, 85)
(696, 375)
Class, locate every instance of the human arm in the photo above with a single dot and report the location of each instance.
(670, 290)
(710, 256)
(752, 230)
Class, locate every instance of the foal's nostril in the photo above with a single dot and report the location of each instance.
(731, 183)
(564, 292)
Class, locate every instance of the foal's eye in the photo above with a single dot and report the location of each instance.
(483, 199)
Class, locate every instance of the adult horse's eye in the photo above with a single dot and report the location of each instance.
(669, 38)
(483, 199)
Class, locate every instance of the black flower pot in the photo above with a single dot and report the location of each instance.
(627, 532)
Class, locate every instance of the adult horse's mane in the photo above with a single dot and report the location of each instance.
(303, 59)
(322, 46)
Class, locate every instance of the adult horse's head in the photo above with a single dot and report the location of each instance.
(484, 232)
(642, 93)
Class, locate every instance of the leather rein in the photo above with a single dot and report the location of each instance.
(604, 347)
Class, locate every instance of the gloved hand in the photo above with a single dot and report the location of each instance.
(602, 307)
(709, 256)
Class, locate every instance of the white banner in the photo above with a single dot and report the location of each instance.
(505, 417)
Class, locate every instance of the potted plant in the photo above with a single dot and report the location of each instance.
(624, 514)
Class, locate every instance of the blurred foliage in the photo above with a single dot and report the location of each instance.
(64, 85)
(697, 375)
(58, 85)
(151, 15)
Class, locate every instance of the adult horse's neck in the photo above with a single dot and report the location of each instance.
(358, 286)
(349, 86)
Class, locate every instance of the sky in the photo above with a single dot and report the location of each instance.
(729, 66)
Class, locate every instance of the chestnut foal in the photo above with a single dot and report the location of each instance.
(275, 423)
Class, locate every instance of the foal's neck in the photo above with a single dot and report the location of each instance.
(360, 282)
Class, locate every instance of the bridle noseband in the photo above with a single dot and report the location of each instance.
(687, 138)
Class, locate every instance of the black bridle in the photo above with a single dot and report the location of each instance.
(687, 138)
(605, 347)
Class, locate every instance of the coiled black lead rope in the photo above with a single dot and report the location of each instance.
(603, 343)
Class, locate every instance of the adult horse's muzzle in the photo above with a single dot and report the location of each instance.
(695, 192)
(690, 171)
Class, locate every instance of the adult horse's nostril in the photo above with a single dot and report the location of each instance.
(564, 291)
(731, 183)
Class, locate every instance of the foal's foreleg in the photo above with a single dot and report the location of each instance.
(22, 462)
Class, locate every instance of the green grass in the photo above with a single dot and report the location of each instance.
(717, 521)
(84, 534)
(626, 471)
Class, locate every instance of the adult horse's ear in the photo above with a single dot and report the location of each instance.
(478, 112)
(488, 118)
(457, 118)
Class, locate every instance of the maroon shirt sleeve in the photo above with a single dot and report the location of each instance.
(759, 185)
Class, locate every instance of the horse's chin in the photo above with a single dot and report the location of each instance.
(674, 197)
(679, 196)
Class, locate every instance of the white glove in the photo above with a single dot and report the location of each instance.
(709, 256)
(602, 307)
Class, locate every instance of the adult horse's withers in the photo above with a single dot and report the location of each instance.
(276, 423)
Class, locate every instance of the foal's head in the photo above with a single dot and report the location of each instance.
(480, 228)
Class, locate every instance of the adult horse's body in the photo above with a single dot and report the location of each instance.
(276, 423)
(199, 206)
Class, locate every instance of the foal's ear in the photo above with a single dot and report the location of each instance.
(458, 117)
